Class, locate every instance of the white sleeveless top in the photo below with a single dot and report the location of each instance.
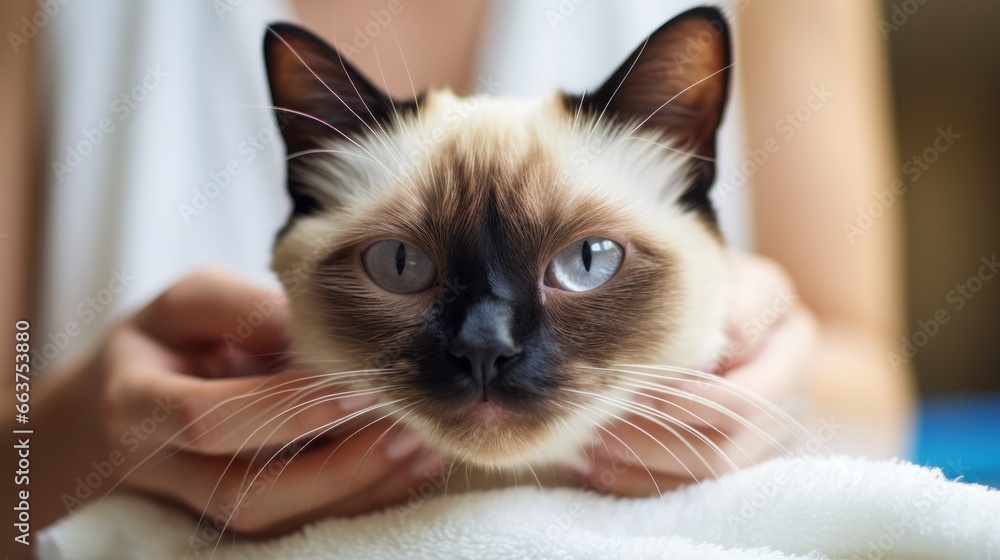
(161, 159)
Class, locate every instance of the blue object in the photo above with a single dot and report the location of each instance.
(961, 435)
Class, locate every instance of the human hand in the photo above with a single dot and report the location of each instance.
(772, 345)
(215, 430)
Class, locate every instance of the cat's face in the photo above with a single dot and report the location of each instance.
(488, 262)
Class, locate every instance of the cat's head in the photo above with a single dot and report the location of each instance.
(486, 263)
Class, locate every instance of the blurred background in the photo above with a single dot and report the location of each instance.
(945, 60)
(945, 73)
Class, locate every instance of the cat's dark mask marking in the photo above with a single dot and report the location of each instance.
(686, 62)
(490, 201)
(492, 244)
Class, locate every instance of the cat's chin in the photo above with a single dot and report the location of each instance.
(499, 438)
(486, 434)
(490, 412)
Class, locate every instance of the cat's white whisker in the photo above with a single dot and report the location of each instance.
(598, 426)
(743, 421)
(617, 88)
(334, 93)
(669, 101)
(406, 67)
(670, 148)
(367, 455)
(755, 400)
(683, 409)
(267, 392)
(673, 432)
(532, 471)
(658, 416)
(321, 430)
(301, 153)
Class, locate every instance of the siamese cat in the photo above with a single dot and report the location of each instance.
(487, 266)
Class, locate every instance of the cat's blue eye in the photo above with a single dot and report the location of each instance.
(398, 267)
(585, 264)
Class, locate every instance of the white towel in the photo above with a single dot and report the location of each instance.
(808, 507)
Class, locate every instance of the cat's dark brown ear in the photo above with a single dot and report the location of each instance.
(676, 82)
(317, 95)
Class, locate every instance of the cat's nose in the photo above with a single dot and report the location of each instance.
(485, 341)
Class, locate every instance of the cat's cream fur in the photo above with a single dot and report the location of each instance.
(608, 161)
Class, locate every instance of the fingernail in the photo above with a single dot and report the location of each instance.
(406, 443)
(357, 402)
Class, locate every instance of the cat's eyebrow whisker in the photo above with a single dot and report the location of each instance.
(406, 67)
(669, 101)
(392, 102)
(320, 121)
(578, 112)
(584, 408)
(651, 436)
(301, 153)
(384, 137)
(347, 137)
(334, 93)
(671, 148)
(378, 62)
(703, 378)
(618, 87)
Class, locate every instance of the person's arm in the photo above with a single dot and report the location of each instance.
(832, 164)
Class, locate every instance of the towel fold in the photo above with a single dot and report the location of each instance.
(786, 508)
